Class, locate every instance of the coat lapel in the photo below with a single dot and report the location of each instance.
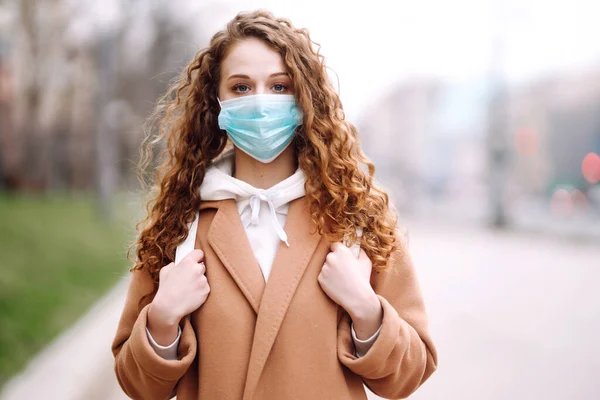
(227, 237)
(288, 267)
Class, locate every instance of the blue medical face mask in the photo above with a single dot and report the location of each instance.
(261, 125)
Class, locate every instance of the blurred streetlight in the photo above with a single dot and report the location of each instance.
(497, 120)
(108, 29)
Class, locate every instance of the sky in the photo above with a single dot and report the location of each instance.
(372, 45)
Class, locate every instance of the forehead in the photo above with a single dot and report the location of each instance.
(252, 56)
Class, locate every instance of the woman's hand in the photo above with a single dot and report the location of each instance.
(346, 280)
(182, 289)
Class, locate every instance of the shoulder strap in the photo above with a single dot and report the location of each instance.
(188, 244)
(190, 241)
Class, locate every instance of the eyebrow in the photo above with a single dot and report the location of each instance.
(247, 77)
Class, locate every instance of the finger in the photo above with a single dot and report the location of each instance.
(202, 267)
(355, 249)
(325, 272)
(337, 246)
(364, 259)
(330, 258)
(321, 279)
(195, 255)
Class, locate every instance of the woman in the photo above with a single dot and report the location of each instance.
(242, 288)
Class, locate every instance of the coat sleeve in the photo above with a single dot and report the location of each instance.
(141, 372)
(403, 355)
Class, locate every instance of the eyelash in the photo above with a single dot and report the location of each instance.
(285, 87)
(236, 88)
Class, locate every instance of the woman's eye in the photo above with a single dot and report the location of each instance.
(279, 87)
(241, 88)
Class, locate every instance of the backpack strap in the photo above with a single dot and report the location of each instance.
(189, 243)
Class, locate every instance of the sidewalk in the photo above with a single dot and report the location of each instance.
(78, 365)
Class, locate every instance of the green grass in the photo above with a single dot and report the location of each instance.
(56, 259)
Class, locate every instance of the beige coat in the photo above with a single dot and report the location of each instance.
(277, 341)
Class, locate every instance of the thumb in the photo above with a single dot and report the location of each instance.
(165, 270)
(365, 263)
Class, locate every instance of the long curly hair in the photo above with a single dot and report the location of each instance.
(183, 137)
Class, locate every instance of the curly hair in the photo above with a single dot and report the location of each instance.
(183, 138)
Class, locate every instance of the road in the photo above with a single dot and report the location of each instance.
(514, 316)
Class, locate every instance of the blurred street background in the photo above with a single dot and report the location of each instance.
(482, 118)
